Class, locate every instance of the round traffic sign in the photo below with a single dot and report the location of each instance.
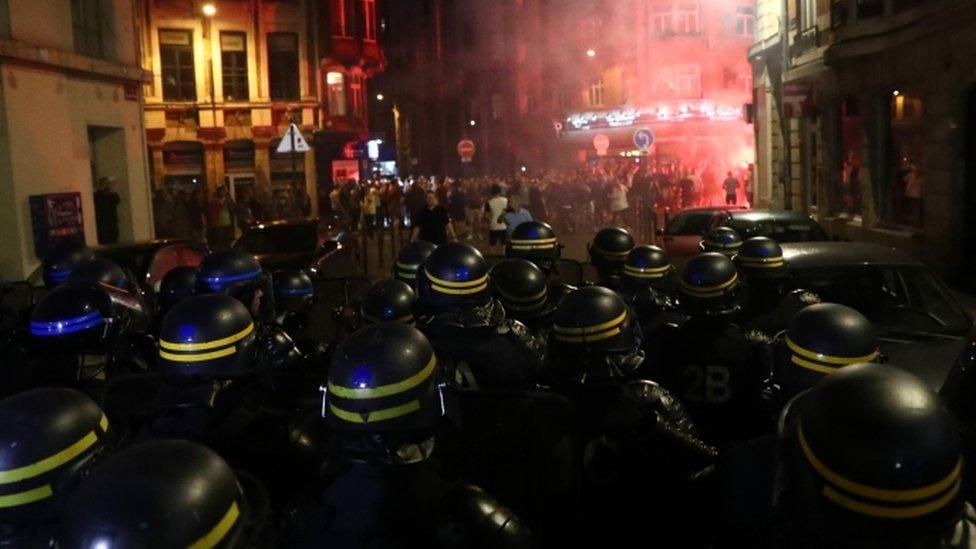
(643, 139)
(465, 149)
(601, 143)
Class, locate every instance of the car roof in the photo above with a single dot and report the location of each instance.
(805, 255)
(763, 215)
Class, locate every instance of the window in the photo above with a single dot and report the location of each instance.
(596, 92)
(687, 81)
(369, 19)
(342, 15)
(233, 64)
(283, 65)
(686, 18)
(336, 83)
(357, 95)
(846, 197)
(808, 14)
(903, 202)
(90, 24)
(662, 19)
(176, 60)
(745, 21)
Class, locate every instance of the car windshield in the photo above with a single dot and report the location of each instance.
(781, 230)
(901, 300)
(284, 239)
(690, 223)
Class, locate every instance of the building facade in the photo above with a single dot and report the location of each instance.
(69, 116)
(231, 76)
(875, 101)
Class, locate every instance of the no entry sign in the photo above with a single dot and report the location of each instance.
(465, 149)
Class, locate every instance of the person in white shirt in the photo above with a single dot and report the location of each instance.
(494, 210)
(618, 204)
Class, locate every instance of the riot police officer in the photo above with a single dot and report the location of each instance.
(723, 240)
(535, 241)
(608, 252)
(294, 294)
(177, 284)
(468, 327)
(769, 300)
(647, 284)
(99, 270)
(409, 260)
(388, 301)
(871, 458)
(167, 493)
(62, 260)
(49, 439)
(522, 289)
(707, 360)
(637, 439)
(821, 339)
(383, 400)
(239, 275)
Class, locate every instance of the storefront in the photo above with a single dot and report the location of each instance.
(282, 165)
(239, 166)
(183, 164)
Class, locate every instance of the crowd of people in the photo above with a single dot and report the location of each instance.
(462, 405)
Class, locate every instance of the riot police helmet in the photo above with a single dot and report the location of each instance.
(99, 270)
(872, 455)
(522, 288)
(647, 266)
(761, 258)
(62, 260)
(821, 339)
(293, 290)
(238, 274)
(454, 277)
(409, 260)
(49, 439)
(536, 242)
(83, 317)
(590, 326)
(161, 493)
(388, 301)
(724, 240)
(210, 336)
(610, 247)
(177, 284)
(710, 286)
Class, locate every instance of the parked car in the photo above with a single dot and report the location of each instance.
(317, 245)
(685, 230)
(782, 226)
(921, 325)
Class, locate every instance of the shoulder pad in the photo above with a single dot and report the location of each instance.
(471, 518)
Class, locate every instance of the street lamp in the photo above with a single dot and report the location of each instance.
(472, 123)
(591, 52)
(209, 9)
(379, 97)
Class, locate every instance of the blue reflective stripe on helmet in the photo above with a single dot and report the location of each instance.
(216, 282)
(58, 276)
(67, 326)
(295, 291)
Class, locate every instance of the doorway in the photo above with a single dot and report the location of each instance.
(109, 163)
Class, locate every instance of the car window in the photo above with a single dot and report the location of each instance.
(283, 239)
(782, 231)
(690, 223)
(896, 299)
(170, 257)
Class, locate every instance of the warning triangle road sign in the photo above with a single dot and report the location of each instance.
(292, 135)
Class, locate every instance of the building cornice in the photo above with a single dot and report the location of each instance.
(70, 63)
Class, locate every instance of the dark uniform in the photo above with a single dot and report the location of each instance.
(410, 259)
(639, 452)
(647, 285)
(384, 401)
(770, 301)
(468, 327)
(49, 439)
(707, 361)
(525, 293)
(239, 275)
(723, 240)
(608, 252)
(167, 493)
(535, 241)
(871, 458)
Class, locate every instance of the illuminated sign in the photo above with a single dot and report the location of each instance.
(630, 116)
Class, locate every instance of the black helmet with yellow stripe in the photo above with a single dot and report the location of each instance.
(710, 286)
(647, 266)
(592, 328)
(610, 247)
(409, 260)
(454, 277)
(207, 336)
(536, 242)
(161, 493)
(724, 240)
(821, 339)
(49, 438)
(760, 258)
(872, 459)
(384, 378)
(522, 289)
(388, 301)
